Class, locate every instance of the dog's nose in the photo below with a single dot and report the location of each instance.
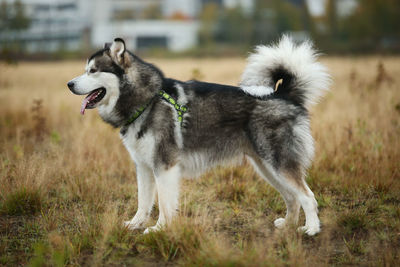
(70, 85)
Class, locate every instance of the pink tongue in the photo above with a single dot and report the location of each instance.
(84, 104)
(87, 99)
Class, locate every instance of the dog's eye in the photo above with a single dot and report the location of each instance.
(92, 70)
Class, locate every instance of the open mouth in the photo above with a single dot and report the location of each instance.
(92, 99)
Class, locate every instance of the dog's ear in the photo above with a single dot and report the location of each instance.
(107, 45)
(118, 52)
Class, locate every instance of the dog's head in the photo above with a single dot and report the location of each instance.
(116, 82)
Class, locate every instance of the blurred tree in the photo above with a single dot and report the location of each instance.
(209, 20)
(19, 20)
(13, 17)
(331, 19)
(264, 22)
(4, 16)
(327, 32)
(288, 17)
(234, 27)
(274, 17)
(12, 20)
(374, 25)
(307, 20)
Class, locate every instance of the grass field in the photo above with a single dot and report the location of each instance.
(67, 183)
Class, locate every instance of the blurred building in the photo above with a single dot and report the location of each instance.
(54, 25)
(71, 25)
(168, 24)
(76, 24)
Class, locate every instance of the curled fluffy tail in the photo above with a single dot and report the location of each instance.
(304, 80)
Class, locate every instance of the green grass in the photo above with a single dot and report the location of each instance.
(22, 202)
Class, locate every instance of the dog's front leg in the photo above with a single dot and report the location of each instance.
(146, 194)
(167, 182)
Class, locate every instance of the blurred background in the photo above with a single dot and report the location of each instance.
(39, 29)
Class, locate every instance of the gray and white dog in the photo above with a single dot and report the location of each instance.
(175, 129)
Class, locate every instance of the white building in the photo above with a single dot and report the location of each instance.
(123, 18)
(74, 24)
(55, 25)
(145, 34)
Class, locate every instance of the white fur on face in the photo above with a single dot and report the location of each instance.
(107, 104)
(88, 82)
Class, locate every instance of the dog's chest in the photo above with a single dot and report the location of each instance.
(140, 148)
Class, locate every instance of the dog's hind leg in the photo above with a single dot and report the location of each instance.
(291, 201)
(295, 192)
(310, 207)
(146, 195)
(167, 182)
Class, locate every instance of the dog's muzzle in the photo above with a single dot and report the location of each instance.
(71, 86)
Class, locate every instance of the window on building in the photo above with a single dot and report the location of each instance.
(66, 6)
(146, 42)
(42, 7)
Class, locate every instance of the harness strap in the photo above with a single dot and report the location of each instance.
(181, 109)
(138, 112)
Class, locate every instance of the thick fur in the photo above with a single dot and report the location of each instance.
(304, 79)
(223, 124)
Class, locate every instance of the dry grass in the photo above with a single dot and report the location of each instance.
(67, 183)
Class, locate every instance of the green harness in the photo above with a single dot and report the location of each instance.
(163, 95)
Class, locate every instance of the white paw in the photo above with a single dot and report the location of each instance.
(132, 225)
(280, 223)
(309, 230)
(154, 228)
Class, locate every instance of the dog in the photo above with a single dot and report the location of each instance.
(174, 129)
